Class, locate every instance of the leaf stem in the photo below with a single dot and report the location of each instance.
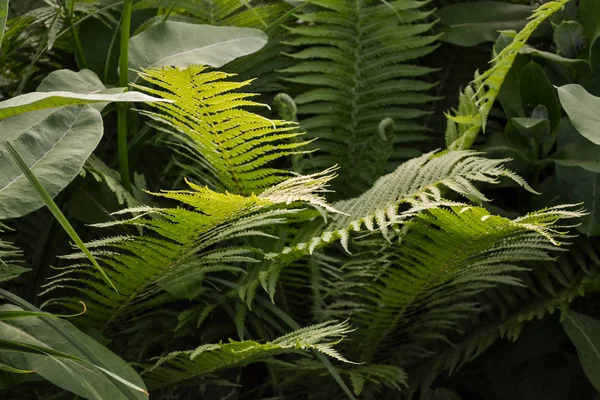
(79, 55)
(122, 109)
(60, 217)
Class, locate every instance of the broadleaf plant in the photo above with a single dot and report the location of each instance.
(271, 209)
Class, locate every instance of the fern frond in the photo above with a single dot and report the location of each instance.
(414, 293)
(208, 358)
(11, 259)
(417, 185)
(477, 99)
(232, 145)
(549, 287)
(221, 13)
(353, 65)
(142, 267)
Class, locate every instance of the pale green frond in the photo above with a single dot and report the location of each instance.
(225, 141)
(414, 185)
(186, 365)
(178, 252)
(477, 99)
(352, 63)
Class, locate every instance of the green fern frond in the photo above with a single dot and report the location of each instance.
(229, 144)
(11, 259)
(353, 66)
(221, 13)
(549, 287)
(477, 99)
(143, 266)
(414, 293)
(416, 184)
(209, 358)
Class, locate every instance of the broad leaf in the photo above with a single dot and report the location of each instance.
(569, 38)
(589, 10)
(582, 186)
(582, 108)
(472, 23)
(60, 353)
(536, 90)
(181, 44)
(38, 101)
(584, 332)
(55, 149)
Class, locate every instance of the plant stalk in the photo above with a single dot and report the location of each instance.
(60, 217)
(79, 55)
(123, 109)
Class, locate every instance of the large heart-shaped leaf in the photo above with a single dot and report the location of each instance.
(469, 24)
(584, 332)
(57, 351)
(180, 44)
(55, 148)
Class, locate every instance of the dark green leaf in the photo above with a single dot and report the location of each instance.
(584, 332)
(569, 38)
(469, 24)
(582, 108)
(536, 90)
(582, 186)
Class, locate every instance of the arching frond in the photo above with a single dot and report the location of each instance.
(417, 291)
(477, 99)
(209, 358)
(180, 253)
(416, 185)
(230, 148)
(548, 288)
(355, 67)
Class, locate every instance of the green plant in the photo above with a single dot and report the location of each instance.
(209, 257)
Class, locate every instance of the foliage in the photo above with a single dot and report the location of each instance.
(334, 253)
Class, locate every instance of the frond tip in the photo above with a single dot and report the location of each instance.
(208, 358)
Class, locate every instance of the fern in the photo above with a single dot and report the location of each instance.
(395, 198)
(427, 281)
(230, 147)
(11, 259)
(416, 184)
(209, 358)
(477, 99)
(549, 287)
(353, 67)
(142, 267)
(220, 13)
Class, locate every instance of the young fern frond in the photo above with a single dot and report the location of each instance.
(230, 147)
(209, 358)
(11, 259)
(422, 287)
(477, 99)
(143, 267)
(354, 69)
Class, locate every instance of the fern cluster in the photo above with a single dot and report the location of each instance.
(355, 65)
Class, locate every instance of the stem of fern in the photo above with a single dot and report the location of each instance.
(122, 109)
(60, 217)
